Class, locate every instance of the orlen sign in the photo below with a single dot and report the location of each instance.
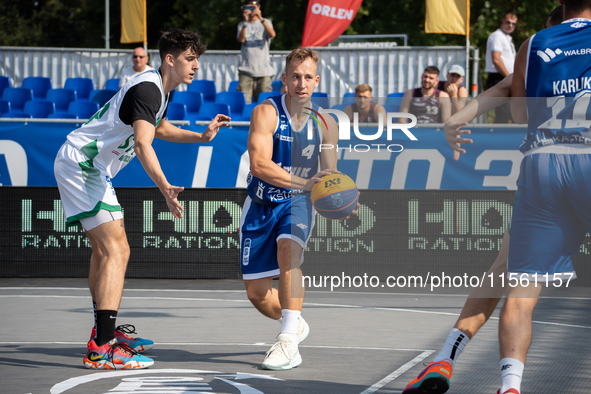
(332, 12)
(327, 19)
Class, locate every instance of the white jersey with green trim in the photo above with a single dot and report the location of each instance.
(105, 139)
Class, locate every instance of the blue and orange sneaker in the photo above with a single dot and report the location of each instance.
(434, 379)
(113, 355)
(121, 335)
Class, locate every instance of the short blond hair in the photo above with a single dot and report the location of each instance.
(301, 54)
(363, 88)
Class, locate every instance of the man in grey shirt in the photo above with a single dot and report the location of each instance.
(255, 33)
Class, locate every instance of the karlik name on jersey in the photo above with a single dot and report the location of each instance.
(572, 85)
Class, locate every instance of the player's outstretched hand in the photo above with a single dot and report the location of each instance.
(171, 194)
(214, 127)
(318, 177)
(453, 134)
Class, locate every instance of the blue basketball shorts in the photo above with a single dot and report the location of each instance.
(262, 226)
(551, 212)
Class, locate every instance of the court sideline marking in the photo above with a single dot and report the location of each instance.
(378, 385)
(305, 304)
(244, 291)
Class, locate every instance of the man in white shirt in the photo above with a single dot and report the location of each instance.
(140, 64)
(500, 58)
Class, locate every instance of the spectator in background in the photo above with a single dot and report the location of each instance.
(500, 58)
(425, 102)
(140, 64)
(458, 94)
(368, 110)
(255, 34)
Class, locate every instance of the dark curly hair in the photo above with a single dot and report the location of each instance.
(176, 41)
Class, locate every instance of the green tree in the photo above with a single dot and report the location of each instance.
(55, 23)
(80, 23)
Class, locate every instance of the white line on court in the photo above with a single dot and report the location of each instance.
(307, 291)
(261, 344)
(378, 385)
(305, 304)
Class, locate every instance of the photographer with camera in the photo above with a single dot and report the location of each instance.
(255, 33)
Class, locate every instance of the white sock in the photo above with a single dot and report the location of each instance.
(454, 345)
(511, 373)
(280, 320)
(291, 320)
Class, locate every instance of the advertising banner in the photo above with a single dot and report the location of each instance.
(27, 153)
(397, 235)
(326, 20)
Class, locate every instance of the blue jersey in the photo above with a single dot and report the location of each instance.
(292, 151)
(558, 85)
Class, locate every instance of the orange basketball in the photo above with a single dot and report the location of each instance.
(335, 197)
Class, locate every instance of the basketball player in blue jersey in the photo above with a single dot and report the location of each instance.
(278, 216)
(482, 301)
(93, 154)
(551, 213)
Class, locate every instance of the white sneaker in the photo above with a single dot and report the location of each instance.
(283, 355)
(302, 331)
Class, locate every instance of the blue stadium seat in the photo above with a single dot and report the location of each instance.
(393, 102)
(16, 115)
(83, 109)
(4, 106)
(39, 108)
(348, 98)
(210, 110)
(233, 86)
(236, 101)
(102, 96)
(176, 111)
(206, 87)
(62, 115)
(112, 84)
(4, 83)
(17, 97)
(191, 100)
(340, 107)
(62, 98)
(248, 109)
(277, 85)
(82, 86)
(321, 99)
(39, 86)
(246, 112)
(201, 118)
(265, 95)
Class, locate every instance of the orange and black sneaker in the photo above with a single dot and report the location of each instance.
(122, 336)
(510, 391)
(113, 355)
(434, 379)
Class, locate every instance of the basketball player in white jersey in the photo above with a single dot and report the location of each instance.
(93, 154)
